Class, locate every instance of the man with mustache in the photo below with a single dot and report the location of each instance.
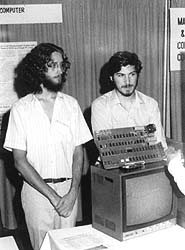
(46, 133)
(125, 106)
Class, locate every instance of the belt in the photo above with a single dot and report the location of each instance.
(57, 180)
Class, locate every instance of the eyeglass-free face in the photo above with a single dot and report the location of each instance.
(126, 80)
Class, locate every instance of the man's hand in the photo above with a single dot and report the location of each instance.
(65, 205)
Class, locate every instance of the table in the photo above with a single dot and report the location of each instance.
(8, 243)
(88, 238)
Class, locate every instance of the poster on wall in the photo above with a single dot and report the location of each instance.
(177, 39)
(10, 55)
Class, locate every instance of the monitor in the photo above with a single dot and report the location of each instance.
(129, 203)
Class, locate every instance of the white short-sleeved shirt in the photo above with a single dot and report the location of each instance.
(109, 113)
(49, 145)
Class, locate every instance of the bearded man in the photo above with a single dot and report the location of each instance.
(125, 106)
(46, 133)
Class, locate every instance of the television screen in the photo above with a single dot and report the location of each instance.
(148, 198)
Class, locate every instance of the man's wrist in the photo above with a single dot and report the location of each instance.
(53, 198)
(74, 190)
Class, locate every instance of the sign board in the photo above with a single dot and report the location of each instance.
(177, 39)
(30, 13)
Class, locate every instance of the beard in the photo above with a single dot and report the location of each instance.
(127, 94)
(53, 86)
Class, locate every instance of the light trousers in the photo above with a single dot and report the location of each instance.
(41, 216)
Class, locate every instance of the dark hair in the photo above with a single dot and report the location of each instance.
(30, 72)
(123, 58)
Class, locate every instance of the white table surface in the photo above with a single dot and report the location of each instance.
(88, 238)
(8, 243)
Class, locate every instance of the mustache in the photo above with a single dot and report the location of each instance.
(127, 86)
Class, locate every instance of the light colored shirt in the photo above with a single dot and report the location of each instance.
(109, 113)
(49, 144)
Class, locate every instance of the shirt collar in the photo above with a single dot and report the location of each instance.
(115, 100)
(139, 98)
(60, 94)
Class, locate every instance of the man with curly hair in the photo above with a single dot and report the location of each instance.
(46, 133)
(125, 106)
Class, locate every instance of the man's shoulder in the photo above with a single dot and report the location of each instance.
(68, 102)
(146, 98)
(67, 98)
(23, 101)
(103, 98)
